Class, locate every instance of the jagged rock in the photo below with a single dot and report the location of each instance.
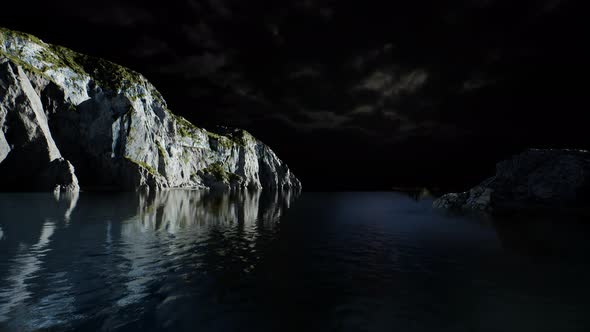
(60, 177)
(29, 157)
(534, 180)
(451, 201)
(115, 127)
(4, 147)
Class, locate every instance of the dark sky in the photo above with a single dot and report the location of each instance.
(352, 94)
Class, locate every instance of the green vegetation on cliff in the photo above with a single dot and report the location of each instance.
(149, 168)
(106, 74)
(216, 169)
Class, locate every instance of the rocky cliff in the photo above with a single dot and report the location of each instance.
(67, 118)
(535, 180)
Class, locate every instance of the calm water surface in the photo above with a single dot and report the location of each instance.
(192, 261)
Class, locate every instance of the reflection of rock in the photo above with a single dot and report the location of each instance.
(71, 198)
(224, 226)
(533, 180)
(141, 244)
(27, 262)
(174, 210)
(27, 223)
(543, 235)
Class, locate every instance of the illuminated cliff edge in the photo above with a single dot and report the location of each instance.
(69, 120)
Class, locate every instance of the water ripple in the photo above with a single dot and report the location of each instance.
(182, 260)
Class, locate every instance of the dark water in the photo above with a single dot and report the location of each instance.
(190, 261)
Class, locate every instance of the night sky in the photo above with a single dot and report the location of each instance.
(352, 94)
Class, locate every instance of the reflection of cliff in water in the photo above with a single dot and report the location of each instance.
(30, 221)
(546, 236)
(176, 210)
(213, 238)
(139, 243)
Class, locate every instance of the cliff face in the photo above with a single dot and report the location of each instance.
(535, 180)
(66, 117)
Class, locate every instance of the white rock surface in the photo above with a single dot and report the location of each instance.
(114, 127)
(29, 157)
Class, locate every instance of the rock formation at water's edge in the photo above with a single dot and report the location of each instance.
(535, 180)
(69, 120)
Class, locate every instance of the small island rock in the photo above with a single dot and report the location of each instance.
(537, 179)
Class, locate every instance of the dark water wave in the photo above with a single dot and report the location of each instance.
(190, 260)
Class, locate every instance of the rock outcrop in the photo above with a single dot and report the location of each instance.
(535, 180)
(67, 117)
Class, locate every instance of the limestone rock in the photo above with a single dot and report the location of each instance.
(451, 201)
(4, 147)
(114, 127)
(537, 179)
(29, 157)
(60, 177)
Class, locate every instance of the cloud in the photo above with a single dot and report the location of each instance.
(377, 81)
(411, 81)
(551, 5)
(326, 13)
(305, 72)
(312, 119)
(474, 84)
(361, 61)
(386, 125)
(326, 119)
(275, 32)
(194, 66)
(220, 8)
(363, 109)
(482, 3)
(390, 84)
(316, 8)
(148, 46)
(201, 35)
(249, 93)
(120, 15)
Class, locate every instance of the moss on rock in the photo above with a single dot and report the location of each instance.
(161, 150)
(17, 34)
(108, 75)
(216, 169)
(185, 128)
(149, 168)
